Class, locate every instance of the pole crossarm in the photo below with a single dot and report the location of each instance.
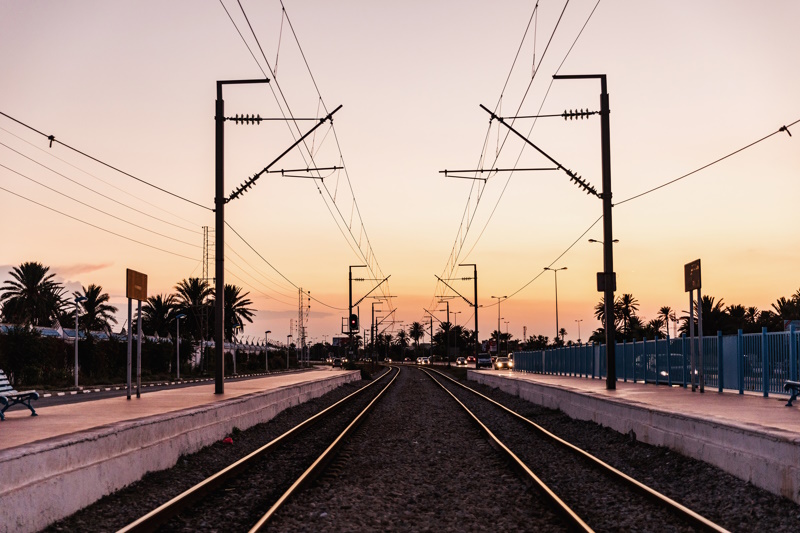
(585, 185)
(455, 291)
(387, 316)
(434, 316)
(251, 181)
(373, 288)
(481, 170)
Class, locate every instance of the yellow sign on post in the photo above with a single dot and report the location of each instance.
(136, 287)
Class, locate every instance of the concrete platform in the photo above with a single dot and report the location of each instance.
(754, 438)
(71, 455)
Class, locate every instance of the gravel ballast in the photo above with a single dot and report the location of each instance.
(417, 463)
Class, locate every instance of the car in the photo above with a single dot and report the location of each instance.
(337, 363)
(471, 360)
(461, 361)
(407, 360)
(425, 360)
(483, 361)
(502, 363)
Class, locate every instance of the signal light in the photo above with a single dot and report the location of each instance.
(353, 322)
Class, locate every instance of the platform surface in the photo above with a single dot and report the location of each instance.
(751, 411)
(20, 428)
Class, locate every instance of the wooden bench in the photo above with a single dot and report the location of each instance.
(9, 397)
(793, 386)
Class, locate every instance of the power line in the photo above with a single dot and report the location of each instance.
(120, 189)
(96, 208)
(52, 139)
(79, 184)
(98, 227)
(779, 130)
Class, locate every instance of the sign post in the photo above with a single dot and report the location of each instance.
(691, 281)
(135, 289)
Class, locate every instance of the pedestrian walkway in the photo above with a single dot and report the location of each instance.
(73, 454)
(20, 428)
(754, 438)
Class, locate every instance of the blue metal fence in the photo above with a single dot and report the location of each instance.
(756, 362)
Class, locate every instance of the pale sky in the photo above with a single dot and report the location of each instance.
(133, 83)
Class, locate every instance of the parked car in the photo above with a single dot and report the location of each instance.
(461, 361)
(502, 363)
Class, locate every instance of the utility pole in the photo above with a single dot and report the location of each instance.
(609, 277)
(473, 303)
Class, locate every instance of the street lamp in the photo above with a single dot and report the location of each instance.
(507, 337)
(288, 343)
(579, 329)
(78, 299)
(266, 348)
(555, 272)
(499, 299)
(178, 344)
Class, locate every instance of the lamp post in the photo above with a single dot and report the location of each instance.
(78, 299)
(178, 344)
(266, 349)
(579, 329)
(499, 299)
(288, 343)
(507, 337)
(555, 271)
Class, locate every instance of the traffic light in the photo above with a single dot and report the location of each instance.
(353, 322)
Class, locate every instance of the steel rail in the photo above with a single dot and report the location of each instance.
(693, 517)
(171, 508)
(321, 461)
(575, 521)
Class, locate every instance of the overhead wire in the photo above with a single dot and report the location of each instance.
(52, 140)
(120, 189)
(96, 226)
(79, 184)
(369, 252)
(96, 208)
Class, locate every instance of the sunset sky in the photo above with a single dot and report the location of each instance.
(132, 83)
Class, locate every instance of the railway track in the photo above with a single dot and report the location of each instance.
(244, 490)
(578, 485)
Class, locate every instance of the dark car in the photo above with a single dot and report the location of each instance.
(503, 363)
(461, 361)
(484, 361)
(337, 363)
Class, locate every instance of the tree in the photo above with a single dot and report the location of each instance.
(628, 305)
(191, 299)
(416, 331)
(96, 313)
(401, 339)
(158, 315)
(666, 314)
(31, 296)
(237, 310)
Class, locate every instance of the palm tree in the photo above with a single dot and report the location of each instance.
(666, 313)
(158, 314)
(628, 307)
(416, 331)
(401, 339)
(237, 310)
(96, 313)
(192, 300)
(31, 296)
(787, 309)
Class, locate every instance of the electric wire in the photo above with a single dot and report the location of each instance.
(98, 227)
(79, 184)
(120, 189)
(52, 139)
(96, 208)
(779, 130)
(362, 254)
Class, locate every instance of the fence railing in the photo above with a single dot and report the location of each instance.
(756, 362)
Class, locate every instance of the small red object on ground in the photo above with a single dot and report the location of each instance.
(227, 440)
